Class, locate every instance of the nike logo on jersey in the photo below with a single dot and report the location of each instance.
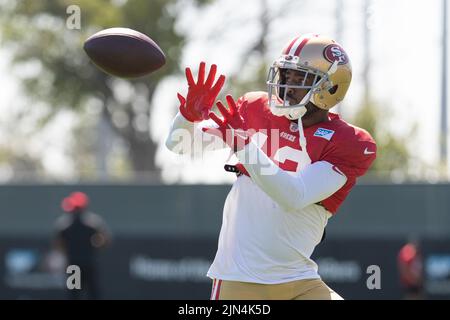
(287, 136)
(324, 133)
(367, 152)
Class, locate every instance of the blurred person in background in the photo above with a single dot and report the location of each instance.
(79, 236)
(410, 267)
(297, 164)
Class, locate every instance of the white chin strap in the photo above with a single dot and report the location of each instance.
(302, 138)
(293, 112)
(296, 113)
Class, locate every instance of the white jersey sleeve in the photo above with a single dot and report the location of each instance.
(187, 137)
(292, 191)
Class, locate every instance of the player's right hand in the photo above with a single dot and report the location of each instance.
(201, 95)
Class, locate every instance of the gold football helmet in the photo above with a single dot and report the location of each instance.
(316, 56)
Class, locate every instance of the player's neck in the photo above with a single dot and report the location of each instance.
(314, 118)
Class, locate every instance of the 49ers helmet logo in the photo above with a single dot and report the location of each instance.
(334, 52)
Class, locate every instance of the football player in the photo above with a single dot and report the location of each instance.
(297, 163)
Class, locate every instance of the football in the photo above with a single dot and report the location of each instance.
(124, 52)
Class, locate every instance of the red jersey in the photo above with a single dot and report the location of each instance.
(349, 148)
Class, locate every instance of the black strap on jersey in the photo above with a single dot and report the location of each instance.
(233, 168)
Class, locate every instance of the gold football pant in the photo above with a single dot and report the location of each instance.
(308, 289)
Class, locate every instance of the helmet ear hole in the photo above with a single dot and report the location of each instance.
(333, 89)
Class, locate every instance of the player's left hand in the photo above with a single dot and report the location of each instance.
(232, 128)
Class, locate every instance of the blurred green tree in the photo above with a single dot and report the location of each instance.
(393, 156)
(17, 164)
(59, 73)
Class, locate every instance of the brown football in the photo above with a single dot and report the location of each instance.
(124, 52)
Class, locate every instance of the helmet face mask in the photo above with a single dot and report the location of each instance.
(295, 79)
(325, 70)
(278, 87)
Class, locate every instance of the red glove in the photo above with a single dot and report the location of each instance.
(201, 95)
(232, 128)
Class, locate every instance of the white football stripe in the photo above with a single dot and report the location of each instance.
(297, 43)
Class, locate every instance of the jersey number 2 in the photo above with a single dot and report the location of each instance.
(289, 158)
